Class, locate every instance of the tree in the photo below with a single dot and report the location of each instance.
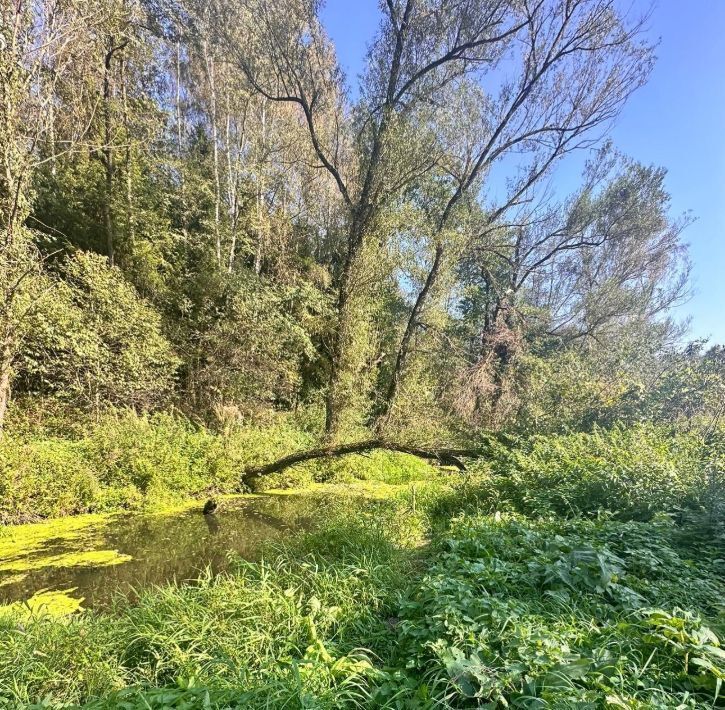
(605, 259)
(574, 64)
(40, 44)
(97, 343)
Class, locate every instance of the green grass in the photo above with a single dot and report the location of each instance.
(402, 608)
(282, 629)
(579, 571)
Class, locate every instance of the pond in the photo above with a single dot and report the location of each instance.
(93, 559)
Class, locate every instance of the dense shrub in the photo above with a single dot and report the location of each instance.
(43, 479)
(633, 473)
(158, 455)
(97, 342)
(126, 460)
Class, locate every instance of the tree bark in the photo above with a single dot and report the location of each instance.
(108, 154)
(130, 216)
(211, 74)
(179, 141)
(6, 364)
(334, 401)
(107, 151)
(443, 456)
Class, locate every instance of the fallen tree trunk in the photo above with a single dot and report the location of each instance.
(443, 456)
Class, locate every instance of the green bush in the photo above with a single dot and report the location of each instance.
(44, 479)
(96, 341)
(126, 460)
(159, 455)
(564, 614)
(633, 473)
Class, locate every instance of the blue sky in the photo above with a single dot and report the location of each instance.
(677, 121)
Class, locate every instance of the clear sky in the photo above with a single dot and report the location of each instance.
(677, 121)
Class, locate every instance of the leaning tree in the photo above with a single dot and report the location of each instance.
(451, 89)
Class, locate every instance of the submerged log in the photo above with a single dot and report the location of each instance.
(442, 456)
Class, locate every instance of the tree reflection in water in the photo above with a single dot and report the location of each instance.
(163, 548)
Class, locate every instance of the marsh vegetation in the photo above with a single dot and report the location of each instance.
(483, 464)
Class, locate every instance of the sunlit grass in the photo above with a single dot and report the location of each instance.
(358, 614)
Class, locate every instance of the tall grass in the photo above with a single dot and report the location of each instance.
(126, 460)
(598, 591)
(281, 630)
(507, 611)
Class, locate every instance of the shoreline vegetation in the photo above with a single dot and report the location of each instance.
(433, 598)
(127, 461)
(561, 570)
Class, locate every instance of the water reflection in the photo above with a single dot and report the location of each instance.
(162, 548)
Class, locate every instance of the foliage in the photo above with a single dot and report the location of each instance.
(206, 241)
(631, 472)
(126, 460)
(638, 378)
(176, 232)
(42, 479)
(555, 614)
(509, 612)
(247, 340)
(97, 318)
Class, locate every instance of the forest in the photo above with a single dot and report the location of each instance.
(381, 304)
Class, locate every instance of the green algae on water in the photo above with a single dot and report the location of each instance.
(18, 540)
(13, 579)
(48, 602)
(90, 558)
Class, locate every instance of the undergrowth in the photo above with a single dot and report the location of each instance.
(574, 571)
(127, 461)
(400, 606)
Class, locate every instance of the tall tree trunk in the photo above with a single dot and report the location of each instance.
(211, 74)
(232, 167)
(130, 217)
(363, 214)
(6, 366)
(337, 397)
(10, 90)
(259, 254)
(107, 153)
(179, 140)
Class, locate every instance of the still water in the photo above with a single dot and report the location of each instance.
(124, 554)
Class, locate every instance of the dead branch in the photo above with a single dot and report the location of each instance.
(441, 456)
